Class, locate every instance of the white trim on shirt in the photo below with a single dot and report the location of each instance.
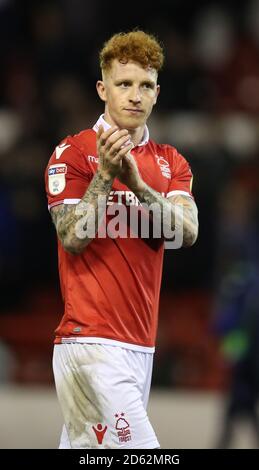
(71, 201)
(176, 192)
(63, 201)
(111, 342)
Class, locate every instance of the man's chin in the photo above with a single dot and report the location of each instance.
(132, 122)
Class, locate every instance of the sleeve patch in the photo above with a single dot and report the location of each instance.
(57, 179)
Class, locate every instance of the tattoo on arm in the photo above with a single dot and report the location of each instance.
(72, 221)
(168, 206)
(190, 219)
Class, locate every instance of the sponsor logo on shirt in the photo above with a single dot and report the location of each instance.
(164, 166)
(122, 197)
(92, 159)
(126, 198)
(57, 170)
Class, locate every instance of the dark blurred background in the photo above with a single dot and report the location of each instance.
(208, 109)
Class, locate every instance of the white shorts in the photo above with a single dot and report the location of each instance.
(103, 392)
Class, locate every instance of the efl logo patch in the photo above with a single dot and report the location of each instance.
(57, 180)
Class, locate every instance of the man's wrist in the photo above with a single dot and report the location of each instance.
(139, 189)
(105, 176)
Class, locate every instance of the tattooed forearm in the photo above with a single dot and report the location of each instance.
(74, 222)
(167, 212)
(190, 219)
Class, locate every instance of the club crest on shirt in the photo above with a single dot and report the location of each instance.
(164, 166)
(57, 179)
(122, 427)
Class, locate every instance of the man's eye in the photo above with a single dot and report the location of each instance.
(147, 85)
(124, 84)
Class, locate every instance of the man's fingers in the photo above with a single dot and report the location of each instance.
(99, 131)
(122, 152)
(115, 148)
(110, 137)
(128, 154)
(104, 135)
(113, 145)
(113, 139)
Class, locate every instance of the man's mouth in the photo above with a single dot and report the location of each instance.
(134, 110)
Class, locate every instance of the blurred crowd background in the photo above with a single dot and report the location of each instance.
(208, 109)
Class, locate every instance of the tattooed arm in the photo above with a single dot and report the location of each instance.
(190, 218)
(165, 209)
(77, 224)
(168, 209)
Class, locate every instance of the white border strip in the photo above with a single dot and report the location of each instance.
(63, 201)
(57, 203)
(111, 342)
(71, 201)
(176, 192)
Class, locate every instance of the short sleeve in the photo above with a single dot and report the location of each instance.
(67, 175)
(182, 177)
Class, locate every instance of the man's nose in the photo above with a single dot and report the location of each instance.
(135, 96)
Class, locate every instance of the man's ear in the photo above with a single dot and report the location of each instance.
(157, 93)
(101, 90)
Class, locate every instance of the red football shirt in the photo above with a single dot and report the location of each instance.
(111, 290)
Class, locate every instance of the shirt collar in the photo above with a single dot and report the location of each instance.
(106, 126)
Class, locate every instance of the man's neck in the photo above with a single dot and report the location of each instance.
(136, 135)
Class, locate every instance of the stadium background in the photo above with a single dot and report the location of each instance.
(209, 109)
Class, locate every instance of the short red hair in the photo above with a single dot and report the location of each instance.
(137, 46)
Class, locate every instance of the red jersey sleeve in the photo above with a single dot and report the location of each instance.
(182, 177)
(67, 175)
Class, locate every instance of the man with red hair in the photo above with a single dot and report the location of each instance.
(110, 277)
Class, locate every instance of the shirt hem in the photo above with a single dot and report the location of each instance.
(111, 342)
